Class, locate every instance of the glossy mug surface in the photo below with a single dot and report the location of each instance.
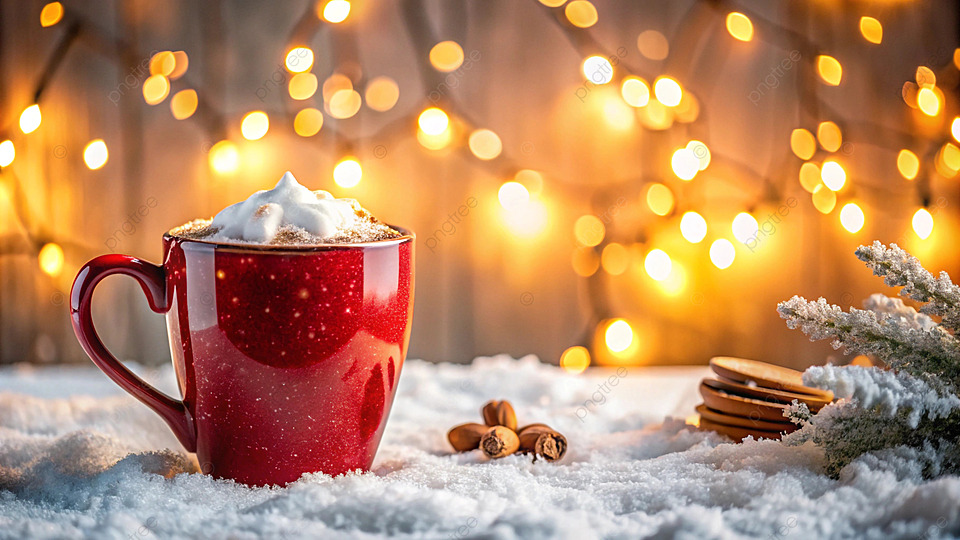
(287, 357)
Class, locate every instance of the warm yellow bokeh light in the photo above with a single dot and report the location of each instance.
(224, 157)
(163, 63)
(693, 227)
(824, 199)
(589, 230)
(299, 59)
(955, 129)
(334, 83)
(833, 175)
(335, 11)
(7, 153)
(585, 261)
(675, 282)
(302, 86)
(155, 89)
(254, 125)
(513, 196)
(615, 259)
(810, 176)
(433, 121)
(740, 26)
(618, 335)
(722, 253)
(552, 3)
(829, 136)
(95, 154)
(51, 259)
(597, 70)
(829, 69)
(656, 116)
(533, 180)
(950, 156)
(700, 151)
(657, 264)
(529, 223)
(928, 101)
(51, 14)
(925, 77)
(435, 142)
(667, 91)
(660, 199)
(851, 217)
(30, 119)
(308, 122)
(908, 164)
(382, 93)
(446, 56)
(485, 144)
(344, 103)
(684, 164)
(347, 173)
(581, 13)
(653, 45)
(575, 359)
(744, 227)
(871, 29)
(184, 103)
(182, 63)
(922, 223)
(802, 143)
(617, 114)
(688, 109)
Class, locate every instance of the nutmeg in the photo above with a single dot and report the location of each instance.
(466, 437)
(499, 441)
(499, 413)
(543, 441)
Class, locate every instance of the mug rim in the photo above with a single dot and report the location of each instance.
(407, 235)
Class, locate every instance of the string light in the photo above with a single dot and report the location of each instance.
(851, 217)
(829, 69)
(302, 86)
(653, 45)
(433, 121)
(30, 119)
(589, 230)
(597, 70)
(585, 261)
(925, 77)
(7, 153)
(615, 259)
(829, 136)
(722, 253)
(446, 56)
(382, 93)
(163, 63)
(668, 91)
(51, 259)
(51, 14)
(334, 83)
(254, 125)
(345, 104)
(155, 89)
(928, 101)
(740, 26)
(618, 336)
(744, 227)
(347, 173)
(955, 129)
(657, 264)
(181, 63)
(685, 164)
(581, 13)
(871, 29)
(336, 11)
(224, 158)
(183, 104)
(575, 359)
(95, 154)
(299, 59)
(701, 152)
(693, 227)
(810, 176)
(824, 199)
(485, 144)
(513, 196)
(922, 223)
(308, 122)
(635, 91)
(660, 199)
(833, 175)
(802, 143)
(908, 164)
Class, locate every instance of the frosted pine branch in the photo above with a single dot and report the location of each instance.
(882, 304)
(900, 269)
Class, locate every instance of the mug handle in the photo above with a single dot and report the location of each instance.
(153, 282)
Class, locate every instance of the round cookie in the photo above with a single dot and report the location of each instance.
(764, 374)
(737, 433)
(766, 394)
(747, 423)
(742, 406)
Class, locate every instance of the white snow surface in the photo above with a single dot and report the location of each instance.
(80, 459)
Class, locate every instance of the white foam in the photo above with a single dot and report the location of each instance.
(263, 214)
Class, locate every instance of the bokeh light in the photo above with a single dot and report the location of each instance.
(722, 253)
(336, 11)
(851, 217)
(667, 91)
(615, 259)
(589, 230)
(163, 63)
(30, 119)
(254, 125)
(302, 86)
(51, 14)
(308, 122)
(660, 199)
(597, 70)
(908, 164)
(828, 133)
(224, 158)
(95, 154)
(334, 83)
(433, 121)
(922, 223)
(299, 59)
(657, 264)
(824, 199)
(585, 261)
(830, 70)
(653, 45)
(575, 359)
(183, 104)
(684, 164)
(446, 56)
(345, 103)
(381, 94)
(347, 173)
(155, 89)
(513, 196)
(635, 91)
(871, 29)
(485, 144)
(833, 175)
(802, 143)
(744, 227)
(810, 176)
(581, 13)
(7, 153)
(740, 26)
(693, 227)
(618, 335)
(51, 259)
(928, 101)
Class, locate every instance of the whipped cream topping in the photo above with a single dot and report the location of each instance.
(289, 204)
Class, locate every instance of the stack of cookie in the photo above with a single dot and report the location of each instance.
(747, 397)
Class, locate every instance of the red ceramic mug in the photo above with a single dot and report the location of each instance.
(287, 357)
